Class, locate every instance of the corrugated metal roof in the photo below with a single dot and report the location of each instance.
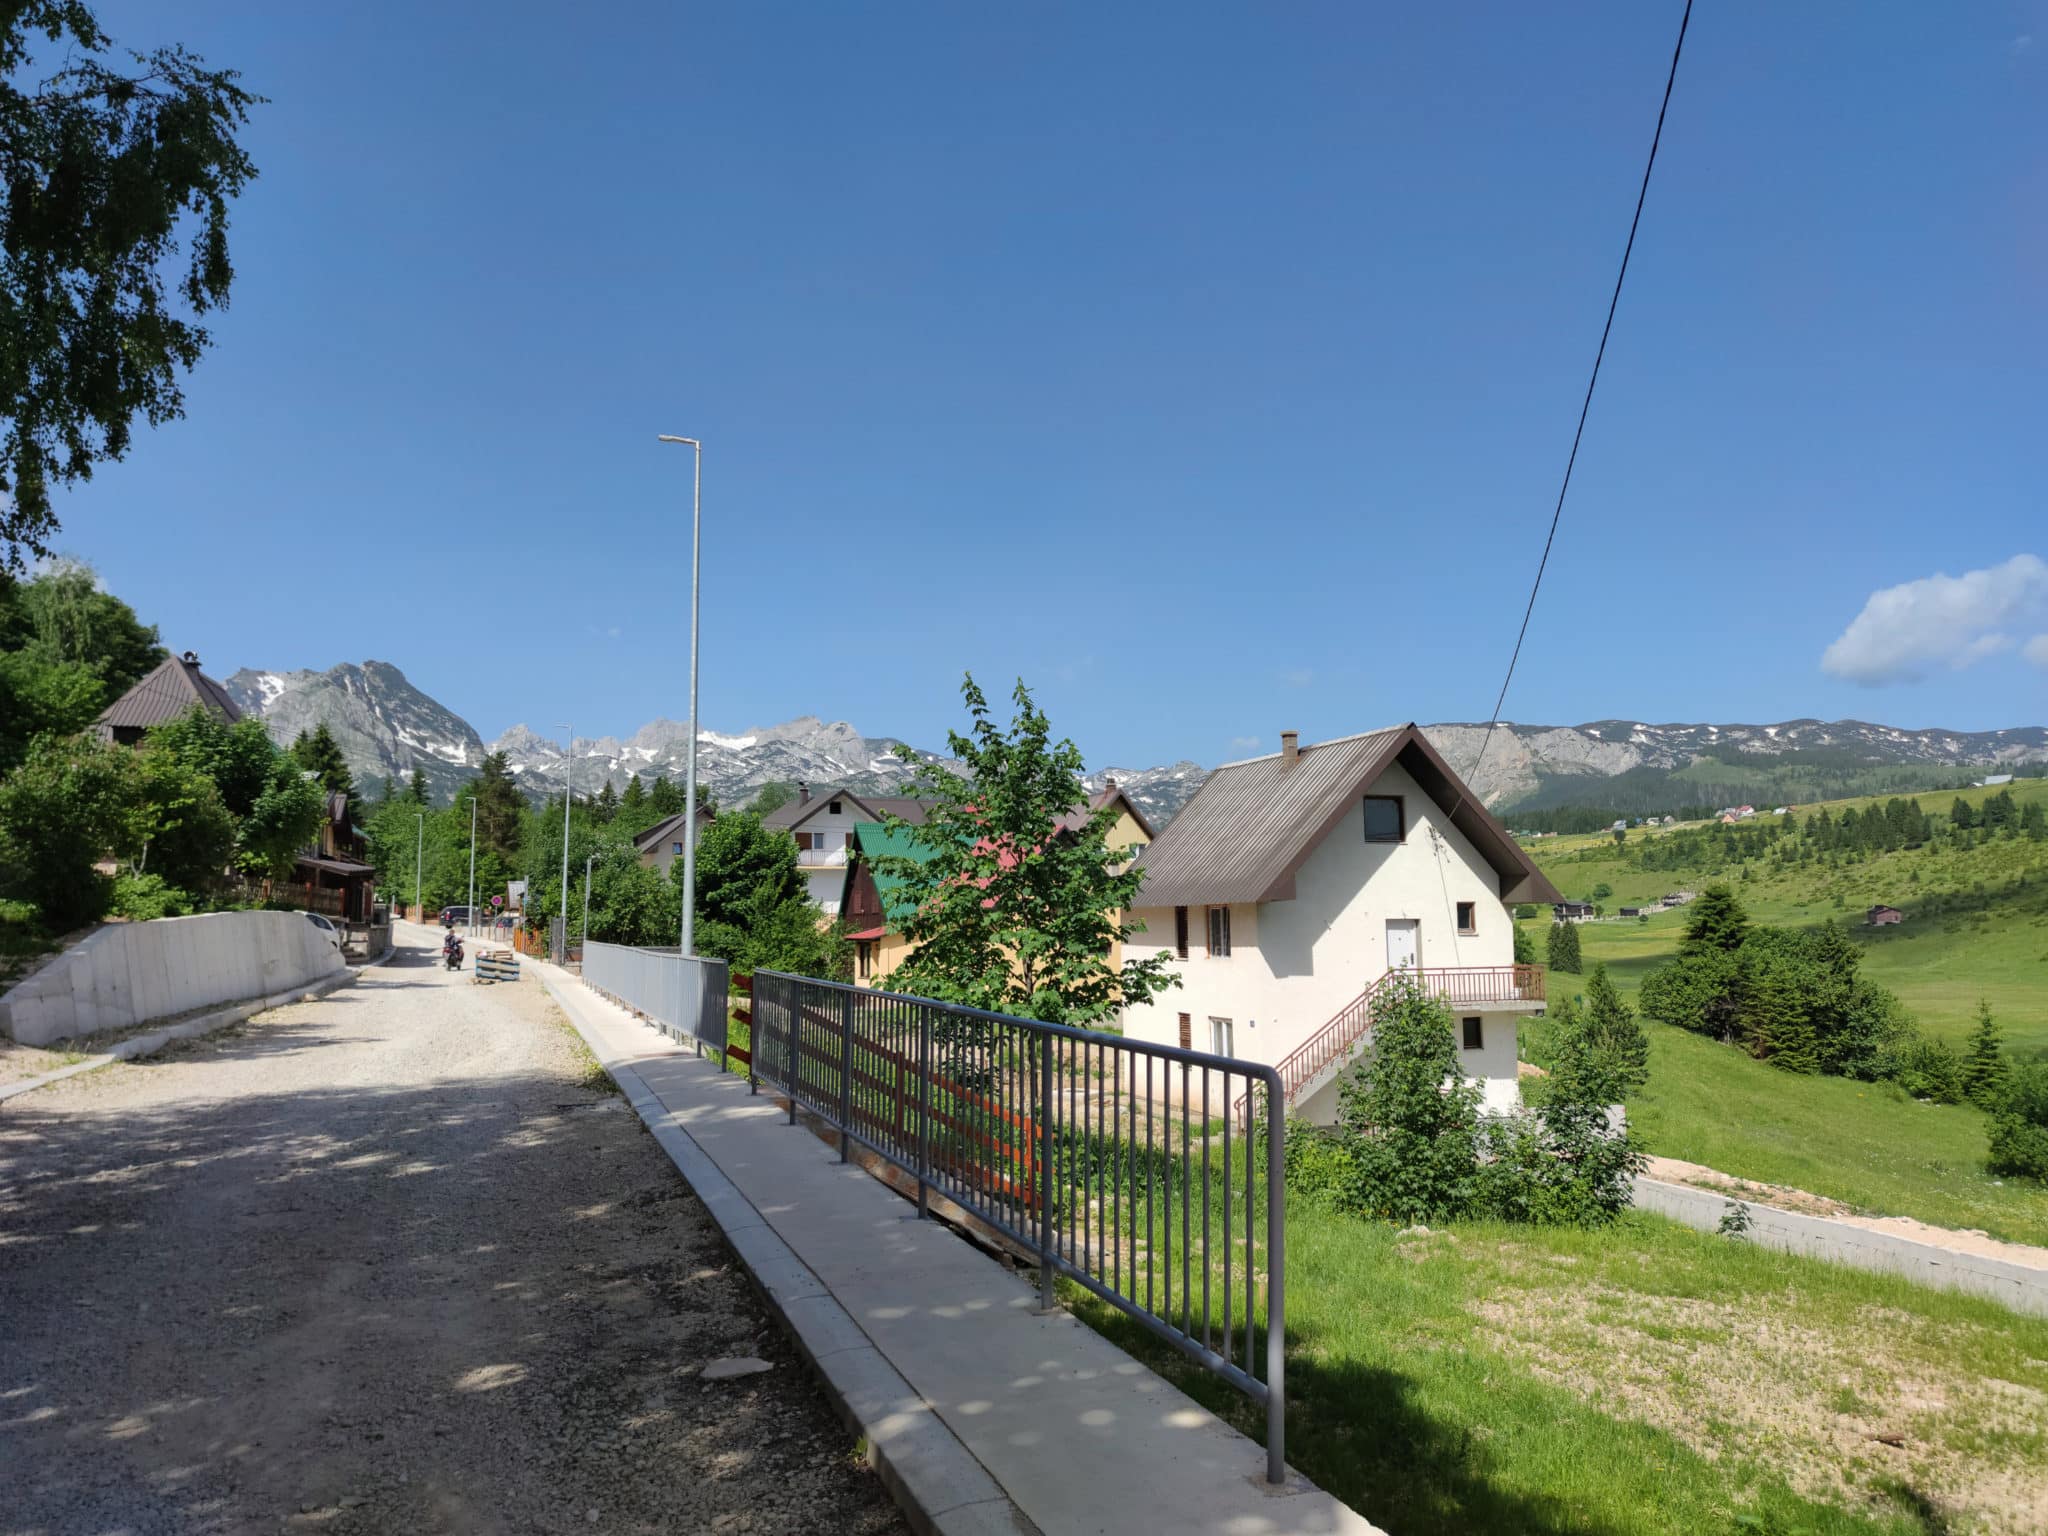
(666, 828)
(873, 841)
(165, 694)
(1251, 824)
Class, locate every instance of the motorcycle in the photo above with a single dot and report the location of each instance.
(451, 953)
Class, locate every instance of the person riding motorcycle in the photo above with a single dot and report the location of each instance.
(451, 950)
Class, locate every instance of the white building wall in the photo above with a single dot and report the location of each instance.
(1295, 964)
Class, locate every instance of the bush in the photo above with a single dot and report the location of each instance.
(144, 898)
(2019, 1129)
(70, 804)
(1558, 1166)
(1407, 1114)
(1924, 1068)
(1320, 1164)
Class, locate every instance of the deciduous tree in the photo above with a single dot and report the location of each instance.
(102, 170)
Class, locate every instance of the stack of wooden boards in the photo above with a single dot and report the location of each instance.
(497, 965)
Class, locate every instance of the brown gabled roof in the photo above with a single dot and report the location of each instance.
(792, 814)
(1252, 825)
(667, 828)
(165, 694)
(1109, 794)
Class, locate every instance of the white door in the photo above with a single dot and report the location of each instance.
(1404, 943)
(1219, 1038)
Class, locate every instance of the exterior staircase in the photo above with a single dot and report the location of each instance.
(1333, 1047)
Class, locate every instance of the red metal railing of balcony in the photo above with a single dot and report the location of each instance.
(1459, 986)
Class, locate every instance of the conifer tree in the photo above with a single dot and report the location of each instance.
(318, 752)
(1717, 921)
(1564, 948)
(1985, 1069)
(1616, 1040)
(418, 787)
(635, 795)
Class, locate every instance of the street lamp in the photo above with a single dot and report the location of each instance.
(419, 863)
(690, 772)
(586, 899)
(568, 794)
(472, 865)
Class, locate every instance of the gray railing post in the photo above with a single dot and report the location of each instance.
(924, 1113)
(1045, 1295)
(845, 1074)
(1276, 1286)
(792, 1065)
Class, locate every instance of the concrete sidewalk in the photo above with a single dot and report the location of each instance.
(937, 1349)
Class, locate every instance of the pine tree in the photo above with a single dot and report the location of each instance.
(1717, 922)
(1961, 816)
(418, 787)
(499, 807)
(635, 795)
(663, 798)
(1985, 1069)
(318, 752)
(607, 804)
(1617, 1041)
(1564, 948)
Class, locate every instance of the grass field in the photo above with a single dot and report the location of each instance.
(1643, 1379)
(1856, 1142)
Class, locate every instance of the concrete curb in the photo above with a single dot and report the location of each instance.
(205, 1023)
(2014, 1285)
(941, 1487)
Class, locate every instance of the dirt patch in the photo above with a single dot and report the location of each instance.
(1782, 1197)
(1857, 1414)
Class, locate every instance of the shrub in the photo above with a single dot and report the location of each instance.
(70, 804)
(2019, 1129)
(144, 898)
(1320, 1164)
(1408, 1116)
(1926, 1069)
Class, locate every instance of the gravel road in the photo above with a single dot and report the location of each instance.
(394, 1260)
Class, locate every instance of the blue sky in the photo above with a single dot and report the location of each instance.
(1211, 367)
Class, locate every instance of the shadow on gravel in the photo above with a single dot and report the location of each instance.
(480, 1305)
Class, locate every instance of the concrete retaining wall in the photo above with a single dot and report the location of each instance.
(2019, 1287)
(132, 973)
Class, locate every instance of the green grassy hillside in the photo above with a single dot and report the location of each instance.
(1976, 927)
(1976, 919)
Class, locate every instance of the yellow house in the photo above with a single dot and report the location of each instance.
(878, 948)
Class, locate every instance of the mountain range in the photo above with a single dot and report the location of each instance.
(386, 728)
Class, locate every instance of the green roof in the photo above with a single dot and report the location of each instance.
(877, 841)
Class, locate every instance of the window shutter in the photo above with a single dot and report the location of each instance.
(1187, 1032)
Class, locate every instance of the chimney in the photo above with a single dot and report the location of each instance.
(1108, 783)
(803, 793)
(1290, 746)
(190, 658)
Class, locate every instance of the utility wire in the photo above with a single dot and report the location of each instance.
(1587, 405)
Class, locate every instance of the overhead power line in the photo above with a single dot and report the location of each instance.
(1586, 405)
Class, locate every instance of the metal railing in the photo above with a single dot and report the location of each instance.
(682, 997)
(821, 858)
(1113, 1162)
(1459, 986)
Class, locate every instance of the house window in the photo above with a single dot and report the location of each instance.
(1219, 1037)
(832, 809)
(1473, 1036)
(1187, 1032)
(1468, 917)
(1384, 822)
(1219, 931)
(1180, 932)
(863, 953)
(675, 847)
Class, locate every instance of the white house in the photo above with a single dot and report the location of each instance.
(822, 823)
(1290, 886)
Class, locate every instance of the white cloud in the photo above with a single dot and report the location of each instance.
(1941, 622)
(2036, 650)
(1251, 743)
(1300, 677)
(2020, 44)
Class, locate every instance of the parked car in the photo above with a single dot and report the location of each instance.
(452, 917)
(333, 933)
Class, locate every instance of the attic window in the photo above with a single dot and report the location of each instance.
(1384, 822)
(832, 809)
(1219, 931)
(1180, 932)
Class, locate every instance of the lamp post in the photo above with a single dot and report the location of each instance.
(419, 864)
(472, 865)
(690, 772)
(568, 795)
(586, 898)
